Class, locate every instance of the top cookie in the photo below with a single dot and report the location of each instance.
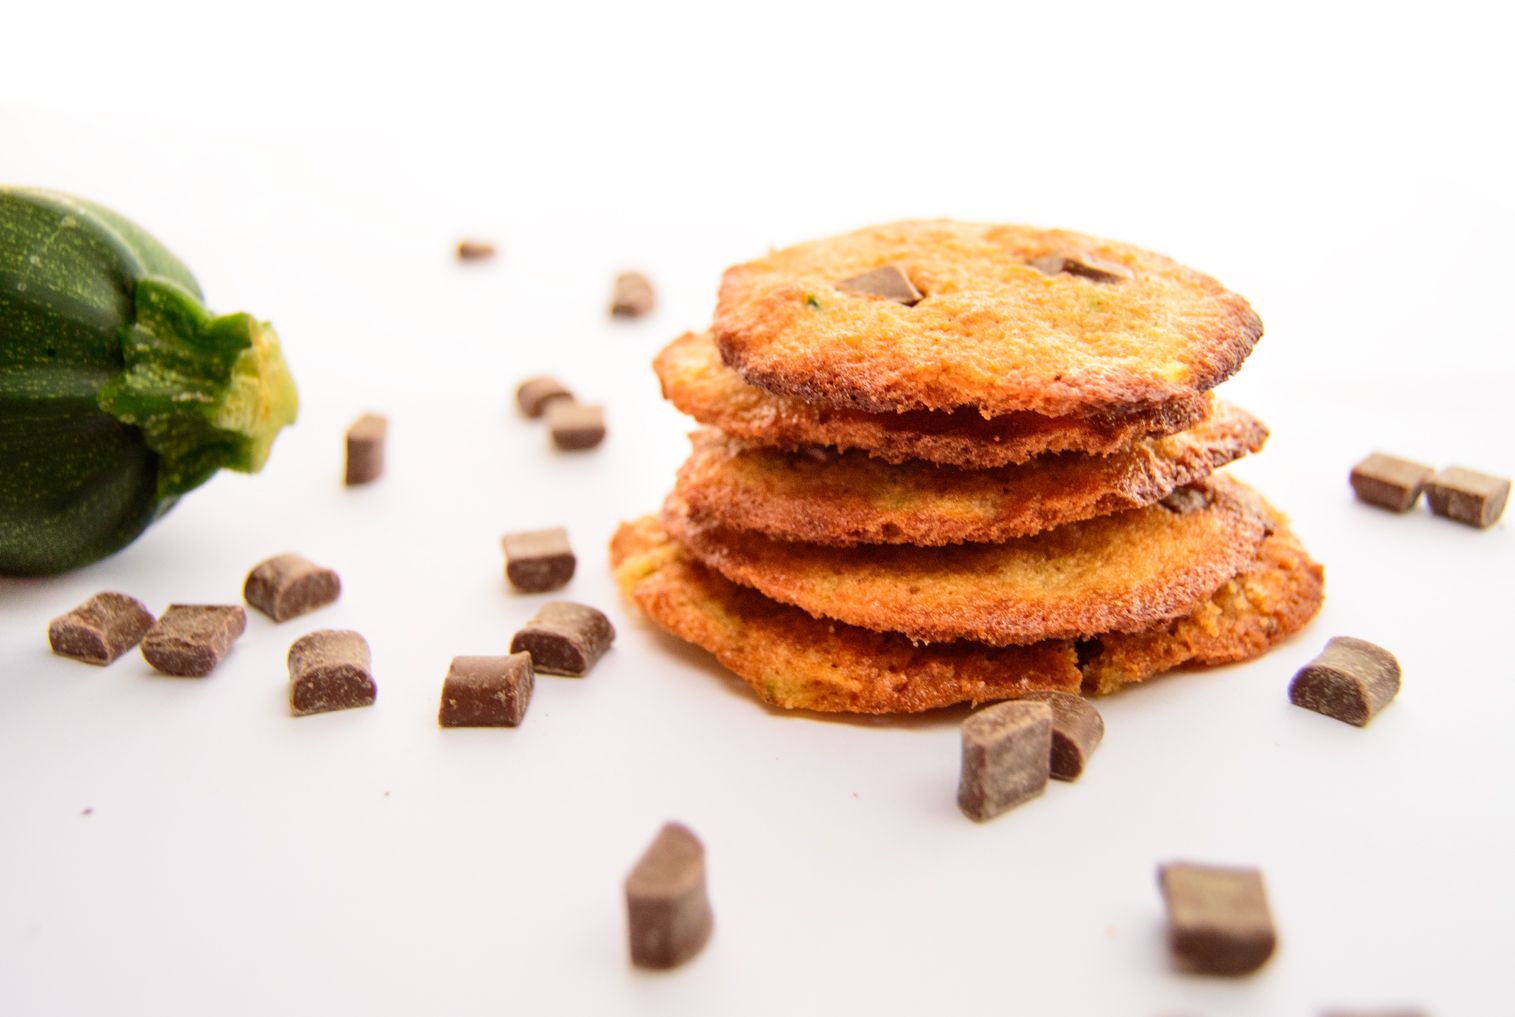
(1010, 318)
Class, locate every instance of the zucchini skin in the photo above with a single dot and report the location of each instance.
(118, 390)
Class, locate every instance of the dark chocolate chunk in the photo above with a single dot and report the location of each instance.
(365, 449)
(1389, 482)
(667, 908)
(1351, 680)
(535, 393)
(486, 691)
(574, 425)
(475, 250)
(1077, 729)
(565, 638)
(1007, 753)
(1084, 265)
(100, 629)
(330, 670)
(1218, 920)
(889, 282)
(288, 585)
(633, 296)
(538, 560)
(190, 639)
(1468, 496)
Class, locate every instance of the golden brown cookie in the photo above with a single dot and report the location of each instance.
(695, 381)
(1011, 319)
(844, 498)
(794, 661)
(1117, 573)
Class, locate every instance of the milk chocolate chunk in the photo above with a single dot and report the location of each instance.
(1468, 496)
(365, 449)
(538, 560)
(475, 250)
(574, 425)
(190, 639)
(1077, 729)
(1081, 264)
(1218, 919)
(889, 282)
(100, 629)
(667, 908)
(330, 670)
(633, 295)
(534, 394)
(1389, 482)
(1351, 680)
(287, 586)
(1007, 752)
(486, 691)
(565, 638)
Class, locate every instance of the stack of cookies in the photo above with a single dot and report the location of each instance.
(945, 462)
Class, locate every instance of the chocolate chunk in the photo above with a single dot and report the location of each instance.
(633, 296)
(1218, 920)
(535, 393)
(538, 560)
(1468, 496)
(565, 638)
(475, 250)
(1077, 729)
(575, 426)
(1082, 264)
(486, 691)
(288, 585)
(100, 629)
(365, 449)
(667, 909)
(329, 670)
(889, 282)
(1350, 680)
(190, 639)
(1388, 482)
(1007, 753)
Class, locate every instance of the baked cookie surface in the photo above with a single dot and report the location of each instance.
(697, 383)
(1116, 573)
(1011, 319)
(821, 496)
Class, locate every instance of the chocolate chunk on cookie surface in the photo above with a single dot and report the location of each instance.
(565, 638)
(1388, 481)
(889, 282)
(1468, 496)
(100, 629)
(1218, 918)
(486, 691)
(330, 670)
(1350, 680)
(1084, 265)
(288, 585)
(1006, 752)
(667, 905)
(538, 560)
(190, 639)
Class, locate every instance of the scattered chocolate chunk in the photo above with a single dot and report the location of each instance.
(329, 670)
(486, 691)
(1218, 920)
(1085, 265)
(535, 393)
(1007, 752)
(288, 585)
(565, 638)
(475, 250)
(889, 282)
(633, 296)
(1468, 496)
(667, 908)
(100, 629)
(1077, 729)
(1351, 680)
(574, 425)
(538, 560)
(1389, 482)
(365, 449)
(190, 639)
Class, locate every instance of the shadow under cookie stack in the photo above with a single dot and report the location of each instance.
(945, 462)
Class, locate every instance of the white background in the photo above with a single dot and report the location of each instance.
(1347, 169)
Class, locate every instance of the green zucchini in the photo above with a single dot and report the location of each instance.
(119, 391)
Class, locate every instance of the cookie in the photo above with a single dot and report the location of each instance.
(1011, 319)
(697, 383)
(794, 661)
(845, 498)
(1116, 573)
